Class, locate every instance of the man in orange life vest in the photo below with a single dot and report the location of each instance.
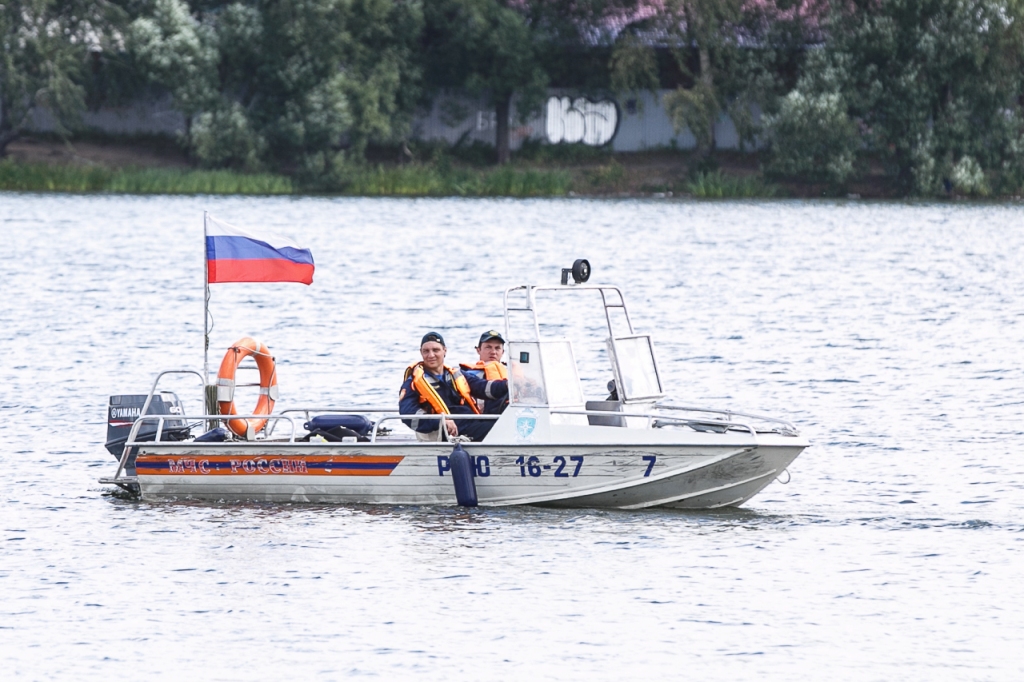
(431, 387)
(489, 367)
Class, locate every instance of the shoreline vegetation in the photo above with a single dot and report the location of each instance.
(156, 165)
(888, 100)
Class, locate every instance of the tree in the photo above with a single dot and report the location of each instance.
(179, 53)
(732, 55)
(287, 82)
(933, 86)
(506, 50)
(487, 48)
(812, 138)
(44, 47)
(385, 73)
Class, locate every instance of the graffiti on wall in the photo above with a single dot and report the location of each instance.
(580, 120)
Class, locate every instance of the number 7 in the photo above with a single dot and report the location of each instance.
(650, 459)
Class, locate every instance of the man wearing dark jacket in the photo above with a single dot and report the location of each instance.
(431, 387)
(490, 349)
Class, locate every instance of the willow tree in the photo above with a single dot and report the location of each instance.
(44, 45)
(731, 55)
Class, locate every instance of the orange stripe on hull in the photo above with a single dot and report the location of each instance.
(230, 465)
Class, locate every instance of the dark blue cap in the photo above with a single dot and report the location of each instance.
(433, 336)
(487, 336)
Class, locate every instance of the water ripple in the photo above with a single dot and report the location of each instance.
(891, 333)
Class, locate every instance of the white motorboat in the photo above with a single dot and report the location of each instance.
(551, 446)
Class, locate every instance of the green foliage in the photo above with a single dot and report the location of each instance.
(483, 46)
(225, 137)
(717, 185)
(488, 49)
(633, 66)
(47, 178)
(352, 179)
(160, 181)
(278, 82)
(712, 45)
(812, 138)
(934, 84)
(425, 180)
(515, 182)
(43, 47)
(539, 151)
(38, 177)
(968, 177)
(697, 109)
(475, 153)
(384, 68)
(177, 52)
(608, 176)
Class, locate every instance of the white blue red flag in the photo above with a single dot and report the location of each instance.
(237, 255)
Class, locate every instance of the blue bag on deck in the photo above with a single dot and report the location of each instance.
(354, 422)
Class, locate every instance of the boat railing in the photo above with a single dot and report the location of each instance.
(442, 418)
(788, 429)
(655, 420)
(308, 412)
(160, 419)
(391, 414)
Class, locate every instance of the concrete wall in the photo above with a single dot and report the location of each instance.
(627, 125)
(142, 116)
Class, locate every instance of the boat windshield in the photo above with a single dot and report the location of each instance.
(635, 368)
(544, 371)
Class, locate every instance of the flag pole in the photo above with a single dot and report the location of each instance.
(206, 307)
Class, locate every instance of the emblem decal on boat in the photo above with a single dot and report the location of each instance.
(525, 424)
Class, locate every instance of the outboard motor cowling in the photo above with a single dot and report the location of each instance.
(123, 410)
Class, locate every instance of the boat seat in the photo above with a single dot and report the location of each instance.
(604, 406)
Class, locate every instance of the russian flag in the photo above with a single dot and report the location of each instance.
(237, 255)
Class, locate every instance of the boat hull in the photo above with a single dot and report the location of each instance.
(620, 477)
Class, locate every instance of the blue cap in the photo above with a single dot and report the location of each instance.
(433, 336)
(487, 336)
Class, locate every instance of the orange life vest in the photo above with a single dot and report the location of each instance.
(493, 370)
(429, 395)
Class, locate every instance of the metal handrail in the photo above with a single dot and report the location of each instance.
(160, 418)
(441, 417)
(651, 417)
(152, 391)
(730, 414)
(145, 408)
(358, 409)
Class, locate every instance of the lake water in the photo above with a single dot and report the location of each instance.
(891, 334)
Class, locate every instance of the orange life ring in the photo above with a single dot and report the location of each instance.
(247, 428)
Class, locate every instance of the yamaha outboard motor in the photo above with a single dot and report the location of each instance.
(122, 412)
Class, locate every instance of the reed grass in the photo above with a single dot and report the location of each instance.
(161, 181)
(406, 180)
(38, 177)
(717, 185)
(423, 180)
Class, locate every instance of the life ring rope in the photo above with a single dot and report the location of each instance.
(238, 351)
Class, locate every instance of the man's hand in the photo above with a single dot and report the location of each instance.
(453, 430)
